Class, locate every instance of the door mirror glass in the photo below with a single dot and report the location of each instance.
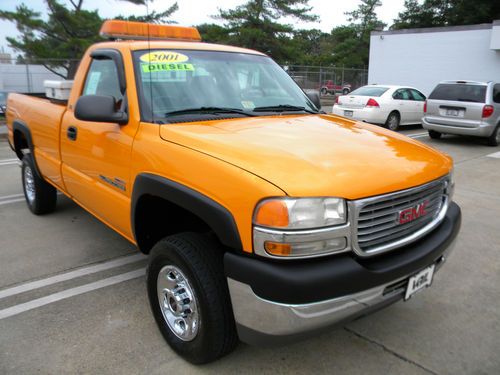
(313, 96)
(99, 108)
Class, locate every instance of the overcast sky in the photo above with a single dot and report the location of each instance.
(194, 12)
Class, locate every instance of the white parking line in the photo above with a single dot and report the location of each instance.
(495, 155)
(71, 275)
(9, 161)
(23, 307)
(418, 135)
(11, 201)
(7, 197)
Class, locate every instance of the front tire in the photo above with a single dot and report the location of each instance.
(434, 134)
(41, 197)
(494, 138)
(189, 297)
(392, 121)
(345, 91)
(324, 91)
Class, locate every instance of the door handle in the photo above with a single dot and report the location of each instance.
(71, 133)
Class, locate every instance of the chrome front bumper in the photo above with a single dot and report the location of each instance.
(262, 322)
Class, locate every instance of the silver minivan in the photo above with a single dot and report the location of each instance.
(464, 108)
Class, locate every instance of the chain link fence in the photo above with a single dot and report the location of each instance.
(328, 80)
(27, 76)
(18, 75)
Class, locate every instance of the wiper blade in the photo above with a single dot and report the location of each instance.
(210, 110)
(283, 108)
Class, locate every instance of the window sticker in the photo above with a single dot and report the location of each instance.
(149, 68)
(163, 57)
(92, 83)
(247, 104)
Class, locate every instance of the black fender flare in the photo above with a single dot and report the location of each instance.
(20, 126)
(218, 218)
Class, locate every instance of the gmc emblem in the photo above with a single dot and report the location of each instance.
(412, 213)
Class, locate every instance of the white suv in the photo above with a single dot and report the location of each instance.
(464, 108)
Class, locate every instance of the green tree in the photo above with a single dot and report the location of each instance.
(431, 13)
(60, 40)
(256, 25)
(352, 42)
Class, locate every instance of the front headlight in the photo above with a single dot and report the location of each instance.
(300, 227)
(300, 213)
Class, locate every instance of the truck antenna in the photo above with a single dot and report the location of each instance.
(149, 63)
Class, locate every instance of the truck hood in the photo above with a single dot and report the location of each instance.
(315, 155)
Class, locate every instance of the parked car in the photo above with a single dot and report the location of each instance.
(264, 219)
(328, 87)
(464, 108)
(3, 102)
(387, 105)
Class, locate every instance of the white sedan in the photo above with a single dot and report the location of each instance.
(387, 105)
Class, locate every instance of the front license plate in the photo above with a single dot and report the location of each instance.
(348, 113)
(452, 112)
(419, 281)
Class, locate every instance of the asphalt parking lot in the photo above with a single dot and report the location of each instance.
(73, 296)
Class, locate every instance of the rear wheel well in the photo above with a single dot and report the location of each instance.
(396, 112)
(20, 143)
(156, 218)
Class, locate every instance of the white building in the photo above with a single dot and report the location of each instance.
(424, 57)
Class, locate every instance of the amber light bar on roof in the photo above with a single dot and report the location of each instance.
(117, 29)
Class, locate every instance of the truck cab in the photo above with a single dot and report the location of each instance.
(264, 219)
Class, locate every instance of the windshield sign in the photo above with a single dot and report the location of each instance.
(177, 82)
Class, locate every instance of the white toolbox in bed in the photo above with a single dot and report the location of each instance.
(58, 90)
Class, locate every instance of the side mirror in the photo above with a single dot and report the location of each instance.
(313, 96)
(99, 108)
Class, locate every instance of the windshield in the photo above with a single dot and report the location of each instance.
(369, 91)
(459, 93)
(173, 81)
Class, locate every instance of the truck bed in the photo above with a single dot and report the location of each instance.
(43, 117)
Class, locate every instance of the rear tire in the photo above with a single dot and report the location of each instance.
(188, 267)
(324, 91)
(494, 138)
(41, 197)
(345, 91)
(434, 134)
(392, 122)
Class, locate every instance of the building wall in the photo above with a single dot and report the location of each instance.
(422, 58)
(24, 78)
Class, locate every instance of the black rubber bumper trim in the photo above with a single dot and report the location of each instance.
(321, 279)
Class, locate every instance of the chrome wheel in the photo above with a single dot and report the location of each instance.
(29, 184)
(178, 303)
(393, 122)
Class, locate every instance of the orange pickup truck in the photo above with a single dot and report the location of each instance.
(264, 218)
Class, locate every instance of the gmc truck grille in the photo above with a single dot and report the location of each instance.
(393, 220)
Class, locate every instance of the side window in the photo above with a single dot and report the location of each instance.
(496, 93)
(417, 95)
(102, 79)
(401, 94)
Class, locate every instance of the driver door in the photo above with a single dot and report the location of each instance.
(96, 155)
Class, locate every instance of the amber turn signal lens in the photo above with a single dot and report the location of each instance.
(140, 30)
(272, 213)
(278, 249)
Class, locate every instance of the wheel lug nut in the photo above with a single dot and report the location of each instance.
(186, 301)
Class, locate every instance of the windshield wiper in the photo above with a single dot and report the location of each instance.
(283, 108)
(210, 110)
